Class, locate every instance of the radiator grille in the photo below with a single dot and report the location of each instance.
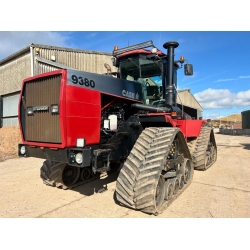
(42, 126)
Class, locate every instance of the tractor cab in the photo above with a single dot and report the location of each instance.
(136, 66)
(145, 66)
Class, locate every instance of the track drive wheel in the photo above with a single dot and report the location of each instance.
(57, 174)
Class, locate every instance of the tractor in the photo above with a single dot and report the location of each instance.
(86, 125)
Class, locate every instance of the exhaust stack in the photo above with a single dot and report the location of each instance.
(168, 84)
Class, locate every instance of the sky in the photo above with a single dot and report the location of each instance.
(214, 39)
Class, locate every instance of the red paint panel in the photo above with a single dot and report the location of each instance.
(83, 115)
(193, 127)
(190, 128)
(86, 127)
(82, 109)
(75, 93)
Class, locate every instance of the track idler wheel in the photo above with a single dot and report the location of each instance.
(70, 175)
(214, 154)
(85, 174)
(186, 170)
(169, 190)
(210, 156)
(160, 192)
(176, 185)
(180, 177)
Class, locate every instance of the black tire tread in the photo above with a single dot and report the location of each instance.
(198, 148)
(147, 157)
(51, 174)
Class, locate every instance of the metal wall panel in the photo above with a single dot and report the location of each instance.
(187, 99)
(43, 68)
(13, 72)
(13, 121)
(85, 61)
(10, 104)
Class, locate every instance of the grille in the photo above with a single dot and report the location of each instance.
(42, 126)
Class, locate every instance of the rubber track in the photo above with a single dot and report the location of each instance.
(51, 173)
(137, 180)
(198, 148)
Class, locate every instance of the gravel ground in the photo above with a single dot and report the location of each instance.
(9, 138)
(223, 191)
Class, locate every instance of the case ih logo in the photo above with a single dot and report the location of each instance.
(32, 110)
(40, 108)
(130, 94)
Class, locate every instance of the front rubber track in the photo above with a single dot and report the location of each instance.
(138, 179)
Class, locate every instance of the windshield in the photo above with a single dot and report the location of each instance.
(148, 73)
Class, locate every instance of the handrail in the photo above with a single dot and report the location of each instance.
(133, 47)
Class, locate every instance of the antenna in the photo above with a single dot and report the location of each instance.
(128, 38)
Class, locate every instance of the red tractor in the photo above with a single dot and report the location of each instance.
(86, 125)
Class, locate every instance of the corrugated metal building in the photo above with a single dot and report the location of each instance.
(190, 105)
(186, 102)
(36, 59)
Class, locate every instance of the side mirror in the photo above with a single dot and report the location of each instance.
(188, 69)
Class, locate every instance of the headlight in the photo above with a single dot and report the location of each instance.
(78, 158)
(54, 109)
(30, 111)
(22, 150)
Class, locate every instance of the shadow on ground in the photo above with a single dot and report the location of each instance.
(246, 146)
(97, 186)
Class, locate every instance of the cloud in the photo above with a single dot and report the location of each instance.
(232, 79)
(222, 98)
(202, 79)
(212, 116)
(226, 80)
(244, 77)
(12, 41)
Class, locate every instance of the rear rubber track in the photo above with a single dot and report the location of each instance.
(200, 149)
(51, 174)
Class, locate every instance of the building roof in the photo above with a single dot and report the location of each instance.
(41, 46)
(185, 96)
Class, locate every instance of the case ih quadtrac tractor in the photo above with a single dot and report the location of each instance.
(87, 125)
